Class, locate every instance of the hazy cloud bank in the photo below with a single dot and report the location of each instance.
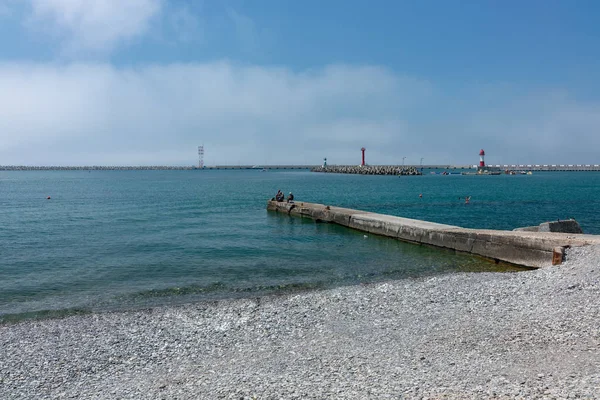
(99, 114)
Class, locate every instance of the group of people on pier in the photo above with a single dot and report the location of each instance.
(281, 197)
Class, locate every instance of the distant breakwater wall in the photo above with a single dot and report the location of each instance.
(369, 169)
(343, 169)
(93, 168)
(530, 249)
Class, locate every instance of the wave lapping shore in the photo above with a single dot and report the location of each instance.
(532, 334)
(368, 170)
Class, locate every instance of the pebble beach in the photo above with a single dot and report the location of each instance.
(529, 334)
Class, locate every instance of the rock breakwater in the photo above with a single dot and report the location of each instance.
(369, 170)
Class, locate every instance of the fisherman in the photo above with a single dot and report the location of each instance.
(279, 196)
(290, 198)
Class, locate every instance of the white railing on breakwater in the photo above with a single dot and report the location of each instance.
(547, 167)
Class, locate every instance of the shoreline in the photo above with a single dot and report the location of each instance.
(468, 335)
(276, 291)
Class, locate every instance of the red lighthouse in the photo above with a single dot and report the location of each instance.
(363, 157)
(481, 159)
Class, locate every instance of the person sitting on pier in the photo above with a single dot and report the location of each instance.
(279, 196)
(290, 198)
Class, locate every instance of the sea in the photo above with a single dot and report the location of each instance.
(126, 240)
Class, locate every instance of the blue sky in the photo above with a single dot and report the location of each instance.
(139, 82)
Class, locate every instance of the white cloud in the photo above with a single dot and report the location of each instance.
(96, 113)
(93, 25)
(83, 114)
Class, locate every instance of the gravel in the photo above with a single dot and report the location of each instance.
(531, 334)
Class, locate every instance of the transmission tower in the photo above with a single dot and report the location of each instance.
(201, 156)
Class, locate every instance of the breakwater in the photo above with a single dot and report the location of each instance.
(95, 168)
(513, 167)
(369, 169)
(531, 249)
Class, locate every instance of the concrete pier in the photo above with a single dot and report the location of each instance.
(530, 249)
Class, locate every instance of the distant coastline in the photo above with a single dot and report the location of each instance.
(91, 168)
(502, 167)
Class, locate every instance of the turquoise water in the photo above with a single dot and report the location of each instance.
(127, 239)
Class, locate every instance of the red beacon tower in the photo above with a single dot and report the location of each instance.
(362, 164)
(481, 159)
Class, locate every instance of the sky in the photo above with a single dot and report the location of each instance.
(145, 82)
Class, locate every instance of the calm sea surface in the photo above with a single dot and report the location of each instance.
(129, 239)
